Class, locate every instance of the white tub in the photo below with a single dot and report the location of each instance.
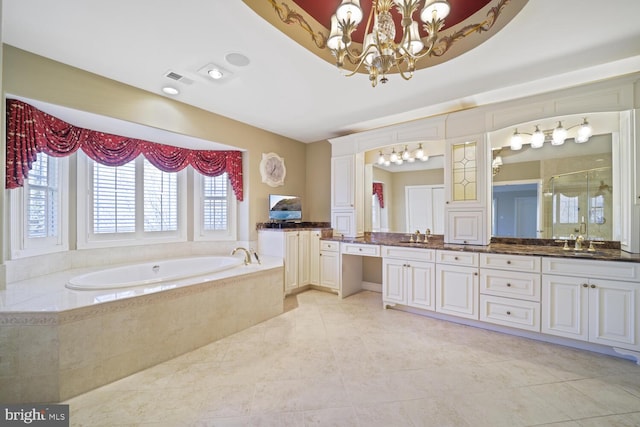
(151, 272)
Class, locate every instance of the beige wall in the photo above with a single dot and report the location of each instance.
(35, 77)
(317, 204)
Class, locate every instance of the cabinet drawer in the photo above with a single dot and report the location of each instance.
(409, 254)
(509, 312)
(457, 258)
(511, 262)
(510, 284)
(329, 246)
(359, 249)
(615, 270)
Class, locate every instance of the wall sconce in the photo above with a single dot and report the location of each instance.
(496, 163)
(405, 155)
(555, 136)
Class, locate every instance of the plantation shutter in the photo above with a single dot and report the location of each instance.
(215, 203)
(114, 198)
(160, 199)
(42, 198)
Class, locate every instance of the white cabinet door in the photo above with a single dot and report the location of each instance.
(330, 269)
(457, 290)
(314, 257)
(613, 317)
(343, 182)
(291, 261)
(304, 269)
(420, 281)
(465, 227)
(393, 282)
(565, 306)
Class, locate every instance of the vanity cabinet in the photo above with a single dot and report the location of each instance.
(408, 277)
(510, 290)
(586, 300)
(294, 247)
(330, 265)
(457, 283)
(347, 194)
(466, 183)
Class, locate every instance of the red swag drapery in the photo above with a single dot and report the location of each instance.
(31, 131)
(377, 190)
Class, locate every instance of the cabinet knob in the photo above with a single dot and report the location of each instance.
(593, 286)
(456, 258)
(359, 249)
(508, 262)
(509, 313)
(584, 285)
(508, 285)
(475, 273)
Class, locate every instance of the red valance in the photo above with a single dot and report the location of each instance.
(31, 131)
(377, 190)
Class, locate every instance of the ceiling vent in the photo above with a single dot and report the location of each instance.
(178, 77)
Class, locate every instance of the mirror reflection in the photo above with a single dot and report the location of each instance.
(407, 197)
(554, 192)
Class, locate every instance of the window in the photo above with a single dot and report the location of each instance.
(214, 208)
(567, 209)
(129, 203)
(38, 209)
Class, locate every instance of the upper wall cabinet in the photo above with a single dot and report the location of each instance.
(347, 194)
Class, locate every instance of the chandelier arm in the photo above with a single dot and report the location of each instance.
(402, 74)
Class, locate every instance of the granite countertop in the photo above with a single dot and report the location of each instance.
(510, 246)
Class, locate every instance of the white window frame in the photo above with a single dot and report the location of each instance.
(87, 239)
(21, 246)
(199, 233)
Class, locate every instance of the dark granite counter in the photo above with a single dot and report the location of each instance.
(606, 252)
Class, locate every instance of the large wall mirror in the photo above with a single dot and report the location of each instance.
(407, 197)
(556, 191)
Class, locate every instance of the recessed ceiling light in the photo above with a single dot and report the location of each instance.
(169, 90)
(215, 73)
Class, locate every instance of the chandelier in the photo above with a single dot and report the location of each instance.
(380, 53)
(555, 136)
(402, 156)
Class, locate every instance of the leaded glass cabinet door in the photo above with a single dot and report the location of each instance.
(464, 171)
(466, 185)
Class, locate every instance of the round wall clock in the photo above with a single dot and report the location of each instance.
(272, 169)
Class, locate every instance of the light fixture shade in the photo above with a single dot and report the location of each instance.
(537, 139)
(381, 159)
(497, 161)
(414, 42)
(349, 10)
(369, 45)
(584, 132)
(435, 9)
(405, 154)
(399, 161)
(425, 158)
(559, 135)
(335, 42)
(394, 156)
(419, 152)
(516, 141)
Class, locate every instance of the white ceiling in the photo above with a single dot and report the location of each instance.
(288, 90)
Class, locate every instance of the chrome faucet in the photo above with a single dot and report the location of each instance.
(247, 255)
(579, 242)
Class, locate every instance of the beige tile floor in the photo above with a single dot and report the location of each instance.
(332, 362)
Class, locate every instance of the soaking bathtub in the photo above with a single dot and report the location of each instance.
(151, 272)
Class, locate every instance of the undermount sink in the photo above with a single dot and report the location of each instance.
(585, 253)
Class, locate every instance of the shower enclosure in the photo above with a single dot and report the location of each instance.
(581, 204)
